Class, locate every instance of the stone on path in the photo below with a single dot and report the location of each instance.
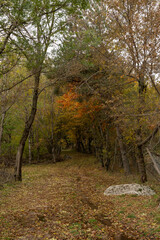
(129, 189)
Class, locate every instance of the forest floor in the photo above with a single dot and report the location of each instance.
(66, 201)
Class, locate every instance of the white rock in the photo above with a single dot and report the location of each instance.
(129, 189)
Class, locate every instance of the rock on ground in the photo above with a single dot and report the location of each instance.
(129, 189)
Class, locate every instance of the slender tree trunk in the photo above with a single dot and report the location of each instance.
(79, 143)
(1, 129)
(30, 147)
(99, 154)
(52, 131)
(37, 143)
(53, 155)
(134, 160)
(123, 152)
(89, 145)
(98, 145)
(108, 149)
(28, 125)
(140, 160)
(38, 154)
(141, 165)
(115, 154)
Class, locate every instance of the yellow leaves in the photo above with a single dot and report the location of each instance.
(30, 91)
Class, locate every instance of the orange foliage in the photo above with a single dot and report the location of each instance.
(69, 102)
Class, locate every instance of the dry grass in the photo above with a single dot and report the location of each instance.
(66, 201)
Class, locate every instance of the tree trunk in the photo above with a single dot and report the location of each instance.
(37, 143)
(1, 129)
(52, 126)
(140, 160)
(30, 147)
(123, 152)
(134, 160)
(98, 145)
(79, 144)
(53, 155)
(89, 145)
(141, 165)
(108, 149)
(28, 125)
(99, 154)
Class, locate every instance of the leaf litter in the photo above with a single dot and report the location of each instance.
(66, 201)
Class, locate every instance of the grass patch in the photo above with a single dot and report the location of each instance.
(131, 216)
(92, 220)
(121, 212)
(75, 226)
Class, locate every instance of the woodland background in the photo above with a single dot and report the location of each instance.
(80, 75)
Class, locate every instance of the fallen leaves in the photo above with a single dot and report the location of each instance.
(62, 202)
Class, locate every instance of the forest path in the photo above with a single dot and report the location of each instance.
(62, 201)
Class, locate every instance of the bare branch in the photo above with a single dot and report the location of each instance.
(54, 10)
(48, 85)
(8, 70)
(150, 136)
(7, 109)
(154, 162)
(17, 83)
(154, 85)
(11, 29)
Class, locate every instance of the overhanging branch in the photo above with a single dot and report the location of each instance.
(150, 136)
(17, 83)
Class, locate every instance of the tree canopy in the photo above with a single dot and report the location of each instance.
(79, 75)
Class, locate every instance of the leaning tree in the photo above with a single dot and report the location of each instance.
(34, 29)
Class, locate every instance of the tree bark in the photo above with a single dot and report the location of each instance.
(123, 152)
(28, 125)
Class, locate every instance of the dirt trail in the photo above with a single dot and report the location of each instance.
(59, 203)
